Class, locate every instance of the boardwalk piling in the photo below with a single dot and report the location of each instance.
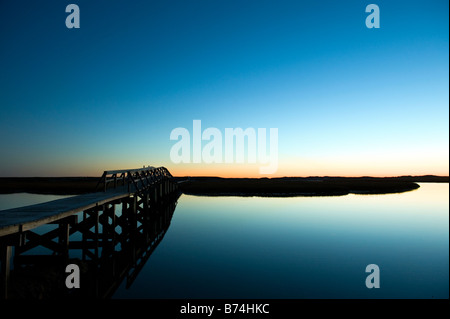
(6, 253)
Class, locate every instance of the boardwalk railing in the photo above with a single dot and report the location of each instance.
(139, 178)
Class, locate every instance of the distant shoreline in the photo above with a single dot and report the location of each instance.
(292, 186)
(216, 186)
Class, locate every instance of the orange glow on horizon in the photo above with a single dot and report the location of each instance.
(245, 172)
(385, 165)
(294, 167)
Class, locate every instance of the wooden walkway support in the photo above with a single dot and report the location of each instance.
(104, 223)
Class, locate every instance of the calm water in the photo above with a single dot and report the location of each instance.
(303, 247)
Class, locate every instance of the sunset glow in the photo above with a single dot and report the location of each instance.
(346, 100)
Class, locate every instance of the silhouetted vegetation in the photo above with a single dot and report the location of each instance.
(291, 186)
(48, 185)
(287, 186)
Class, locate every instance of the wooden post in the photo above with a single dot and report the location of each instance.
(113, 236)
(146, 202)
(112, 213)
(64, 238)
(6, 253)
(101, 180)
(84, 239)
(96, 237)
(133, 224)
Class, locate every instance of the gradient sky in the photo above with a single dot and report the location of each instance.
(347, 100)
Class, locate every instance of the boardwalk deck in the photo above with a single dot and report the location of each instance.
(25, 218)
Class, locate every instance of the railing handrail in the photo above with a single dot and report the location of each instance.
(132, 176)
(131, 170)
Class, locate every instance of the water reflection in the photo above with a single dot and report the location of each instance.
(109, 252)
(304, 247)
(250, 247)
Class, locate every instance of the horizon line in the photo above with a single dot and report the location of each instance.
(286, 176)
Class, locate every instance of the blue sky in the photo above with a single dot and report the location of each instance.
(347, 100)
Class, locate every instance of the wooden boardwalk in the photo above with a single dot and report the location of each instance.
(126, 183)
(21, 219)
(140, 193)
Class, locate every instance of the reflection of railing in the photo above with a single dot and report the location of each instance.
(139, 178)
(112, 246)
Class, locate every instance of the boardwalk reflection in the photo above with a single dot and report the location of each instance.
(110, 248)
